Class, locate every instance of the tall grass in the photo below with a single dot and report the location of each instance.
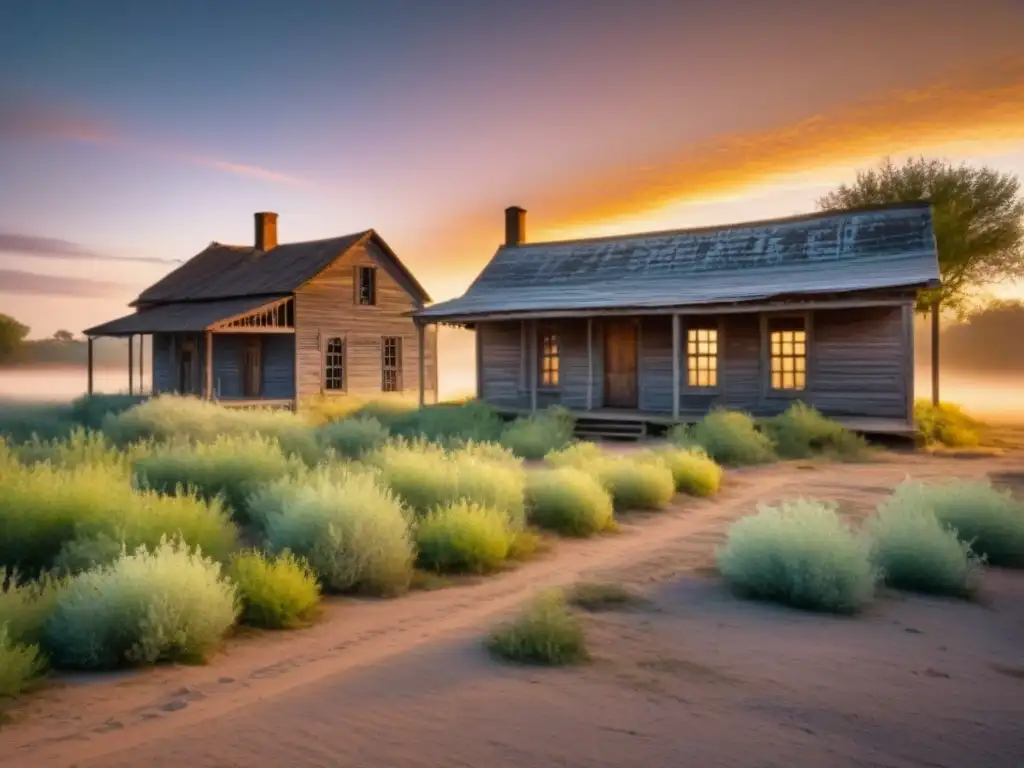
(947, 425)
(988, 519)
(463, 537)
(801, 554)
(277, 593)
(801, 432)
(449, 423)
(728, 437)
(26, 606)
(569, 501)
(79, 448)
(546, 633)
(168, 604)
(19, 665)
(351, 530)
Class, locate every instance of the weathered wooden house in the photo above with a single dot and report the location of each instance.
(661, 327)
(276, 323)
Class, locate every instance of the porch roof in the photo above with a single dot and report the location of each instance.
(877, 248)
(181, 316)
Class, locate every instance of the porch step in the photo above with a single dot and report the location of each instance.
(591, 428)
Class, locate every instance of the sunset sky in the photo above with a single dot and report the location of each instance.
(133, 134)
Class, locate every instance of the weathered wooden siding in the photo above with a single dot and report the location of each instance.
(326, 307)
(655, 364)
(501, 357)
(163, 370)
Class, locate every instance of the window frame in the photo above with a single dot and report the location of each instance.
(371, 270)
(767, 319)
(542, 335)
(396, 368)
(324, 364)
(697, 324)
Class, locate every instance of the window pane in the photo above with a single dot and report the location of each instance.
(801, 380)
(691, 348)
(692, 378)
(800, 348)
(800, 364)
(777, 380)
(787, 348)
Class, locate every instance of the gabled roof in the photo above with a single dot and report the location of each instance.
(179, 317)
(232, 271)
(891, 246)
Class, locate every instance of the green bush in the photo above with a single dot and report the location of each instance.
(988, 519)
(946, 424)
(916, 552)
(463, 537)
(636, 484)
(579, 454)
(230, 467)
(26, 606)
(800, 554)
(728, 437)
(801, 432)
(90, 411)
(545, 633)
(449, 423)
(350, 529)
(81, 448)
(19, 665)
(535, 436)
(569, 501)
(277, 593)
(693, 471)
(351, 438)
(21, 421)
(168, 604)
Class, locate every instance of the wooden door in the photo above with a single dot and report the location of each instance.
(620, 364)
(252, 368)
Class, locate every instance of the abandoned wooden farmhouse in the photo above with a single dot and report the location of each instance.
(275, 323)
(661, 327)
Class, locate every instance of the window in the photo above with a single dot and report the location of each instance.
(391, 364)
(702, 357)
(548, 360)
(788, 339)
(366, 285)
(334, 365)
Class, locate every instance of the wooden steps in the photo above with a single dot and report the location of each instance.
(596, 428)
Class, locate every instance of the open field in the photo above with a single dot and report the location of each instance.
(691, 674)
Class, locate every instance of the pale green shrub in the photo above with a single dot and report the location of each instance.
(801, 431)
(729, 437)
(169, 604)
(579, 454)
(915, 551)
(277, 593)
(693, 471)
(463, 537)
(351, 530)
(82, 448)
(568, 500)
(25, 606)
(801, 554)
(449, 423)
(230, 467)
(988, 519)
(19, 665)
(534, 437)
(636, 484)
(351, 438)
(545, 633)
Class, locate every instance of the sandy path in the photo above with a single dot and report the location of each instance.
(321, 697)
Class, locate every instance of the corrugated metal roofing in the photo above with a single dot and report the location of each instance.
(188, 317)
(223, 271)
(873, 248)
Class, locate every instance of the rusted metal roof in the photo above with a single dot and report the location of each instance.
(187, 317)
(872, 248)
(228, 271)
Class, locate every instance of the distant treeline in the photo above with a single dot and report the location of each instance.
(107, 353)
(990, 340)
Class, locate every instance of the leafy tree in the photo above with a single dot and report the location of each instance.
(12, 333)
(978, 220)
(64, 336)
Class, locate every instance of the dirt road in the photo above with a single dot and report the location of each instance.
(695, 678)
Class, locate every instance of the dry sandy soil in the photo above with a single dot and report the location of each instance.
(692, 676)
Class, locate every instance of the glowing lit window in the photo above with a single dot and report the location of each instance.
(548, 360)
(788, 339)
(702, 357)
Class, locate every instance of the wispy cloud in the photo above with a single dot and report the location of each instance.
(55, 248)
(18, 282)
(28, 118)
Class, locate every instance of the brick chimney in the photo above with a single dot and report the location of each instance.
(515, 225)
(266, 231)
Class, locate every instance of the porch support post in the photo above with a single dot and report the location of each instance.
(675, 366)
(533, 366)
(131, 364)
(420, 345)
(935, 352)
(590, 363)
(88, 387)
(142, 366)
(208, 367)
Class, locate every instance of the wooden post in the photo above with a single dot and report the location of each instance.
(208, 368)
(590, 363)
(142, 367)
(675, 367)
(478, 363)
(131, 364)
(533, 366)
(935, 352)
(88, 388)
(421, 344)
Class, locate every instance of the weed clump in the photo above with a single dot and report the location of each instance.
(463, 538)
(276, 593)
(801, 432)
(728, 437)
(546, 633)
(569, 501)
